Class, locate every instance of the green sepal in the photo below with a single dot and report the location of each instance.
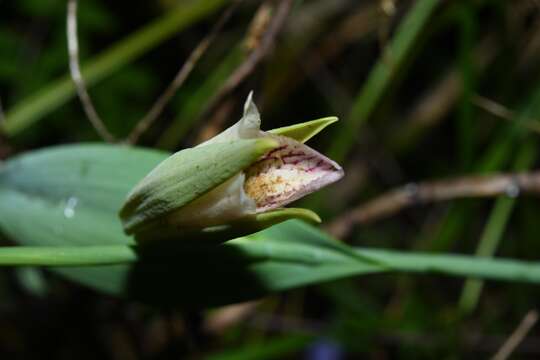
(243, 226)
(273, 217)
(253, 223)
(304, 131)
(185, 176)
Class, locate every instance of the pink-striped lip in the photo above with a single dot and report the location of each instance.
(288, 173)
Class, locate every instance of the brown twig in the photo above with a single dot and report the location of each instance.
(258, 26)
(517, 336)
(505, 113)
(388, 10)
(531, 47)
(216, 121)
(349, 30)
(76, 76)
(510, 184)
(438, 100)
(180, 77)
(255, 57)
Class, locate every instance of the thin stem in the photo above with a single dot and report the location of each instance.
(505, 113)
(517, 336)
(255, 57)
(390, 203)
(66, 256)
(76, 76)
(180, 77)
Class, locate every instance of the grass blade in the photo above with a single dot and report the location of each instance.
(494, 230)
(382, 76)
(34, 108)
(257, 250)
(458, 265)
(66, 256)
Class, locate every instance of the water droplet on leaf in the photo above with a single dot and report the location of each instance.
(69, 209)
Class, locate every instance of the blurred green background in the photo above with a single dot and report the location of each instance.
(408, 80)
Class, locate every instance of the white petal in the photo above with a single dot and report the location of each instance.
(226, 202)
(288, 173)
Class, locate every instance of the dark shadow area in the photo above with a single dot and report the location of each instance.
(190, 275)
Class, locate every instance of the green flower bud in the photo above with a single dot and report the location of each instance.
(237, 182)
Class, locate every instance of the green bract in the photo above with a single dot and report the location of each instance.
(236, 182)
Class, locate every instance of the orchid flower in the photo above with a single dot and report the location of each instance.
(242, 178)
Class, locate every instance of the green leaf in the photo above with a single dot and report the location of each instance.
(304, 131)
(37, 210)
(70, 196)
